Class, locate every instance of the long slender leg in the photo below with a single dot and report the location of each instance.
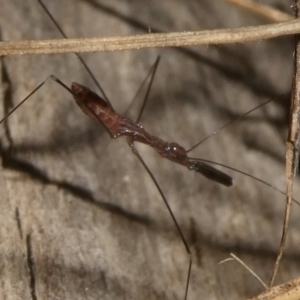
(130, 142)
(24, 100)
(153, 69)
(151, 72)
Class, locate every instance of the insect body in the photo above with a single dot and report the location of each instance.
(102, 112)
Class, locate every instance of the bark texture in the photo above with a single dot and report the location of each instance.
(81, 219)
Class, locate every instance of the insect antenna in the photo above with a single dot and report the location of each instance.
(231, 168)
(240, 117)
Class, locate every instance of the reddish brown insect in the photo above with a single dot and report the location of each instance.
(102, 112)
(118, 125)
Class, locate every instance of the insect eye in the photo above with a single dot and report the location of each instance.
(173, 146)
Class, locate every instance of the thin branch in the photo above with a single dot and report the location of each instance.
(263, 10)
(292, 147)
(234, 257)
(154, 40)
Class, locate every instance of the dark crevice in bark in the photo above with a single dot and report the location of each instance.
(31, 267)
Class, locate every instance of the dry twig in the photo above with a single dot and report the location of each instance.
(154, 40)
(265, 11)
(292, 148)
(234, 257)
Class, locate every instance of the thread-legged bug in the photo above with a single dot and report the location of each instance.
(184, 190)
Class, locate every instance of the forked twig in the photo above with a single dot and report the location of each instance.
(234, 257)
(287, 291)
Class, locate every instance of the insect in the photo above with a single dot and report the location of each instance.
(131, 183)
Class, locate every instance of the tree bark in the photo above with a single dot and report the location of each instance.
(81, 219)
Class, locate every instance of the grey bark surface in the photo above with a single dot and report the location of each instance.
(81, 219)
